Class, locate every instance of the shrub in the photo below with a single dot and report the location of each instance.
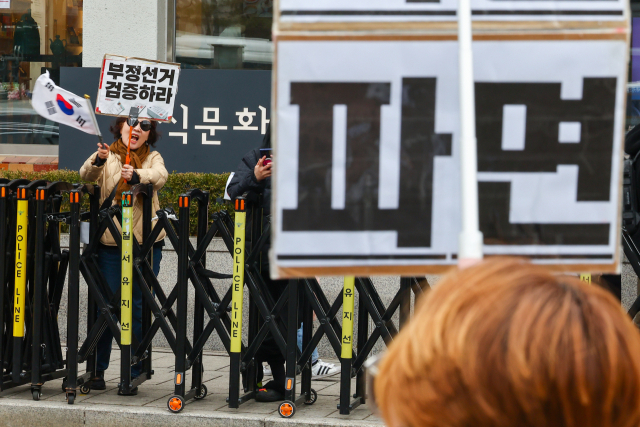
(177, 184)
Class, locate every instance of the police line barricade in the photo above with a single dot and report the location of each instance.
(8, 214)
(73, 379)
(192, 268)
(50, 271)
(340, 336)
(34, 268)
(264, 312)
(106, 309)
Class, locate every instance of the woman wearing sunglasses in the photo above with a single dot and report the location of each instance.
(509, 344)
(109, 169)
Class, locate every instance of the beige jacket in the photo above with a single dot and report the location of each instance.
(108, 176)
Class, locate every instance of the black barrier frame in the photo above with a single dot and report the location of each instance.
(73, 379)
(263, 307)
(8, 200)
(192, 267)
(47, 362)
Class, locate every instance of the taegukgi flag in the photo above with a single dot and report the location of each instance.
(58, 105)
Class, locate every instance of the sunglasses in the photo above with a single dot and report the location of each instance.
(145, 125)
(371, 366)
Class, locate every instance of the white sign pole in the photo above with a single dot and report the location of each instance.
(470, 241)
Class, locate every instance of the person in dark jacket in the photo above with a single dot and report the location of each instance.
(253, 177)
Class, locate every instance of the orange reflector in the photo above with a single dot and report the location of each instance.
(289, 384)
(24, 193)
(77, 197)
(242, 205)
(180, 201)
(178, 379)
(237, 204)
(186, 202)
(4, 192)
(42, 196)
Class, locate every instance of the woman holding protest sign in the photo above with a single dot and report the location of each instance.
(108, 166)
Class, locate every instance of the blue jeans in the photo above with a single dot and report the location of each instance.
(314, 355)
(110, 265)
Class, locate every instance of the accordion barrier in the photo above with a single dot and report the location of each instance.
(35, 270)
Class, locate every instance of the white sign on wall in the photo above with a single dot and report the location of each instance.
(368, 152)
(150, 86)
(304, 11)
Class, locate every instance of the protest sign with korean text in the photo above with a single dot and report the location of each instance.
(368, 173)
(150, 86)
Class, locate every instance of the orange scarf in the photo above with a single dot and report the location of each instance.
(137, 157)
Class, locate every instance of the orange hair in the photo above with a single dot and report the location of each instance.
(509, 344)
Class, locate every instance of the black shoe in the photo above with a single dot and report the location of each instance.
(133, 392)
(97, 383)
(269, 395)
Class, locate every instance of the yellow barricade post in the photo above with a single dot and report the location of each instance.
(19, 294)
(348, 305)
(126, 293)
(237, 298)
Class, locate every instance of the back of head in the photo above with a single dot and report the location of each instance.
(509, 344)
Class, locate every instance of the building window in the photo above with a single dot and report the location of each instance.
(224, 34)
(35, 35)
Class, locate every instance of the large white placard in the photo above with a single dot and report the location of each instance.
(368, 144)
(304, 11)
(150, 86)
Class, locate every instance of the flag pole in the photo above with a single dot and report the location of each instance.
(470, 240)
(93, 117)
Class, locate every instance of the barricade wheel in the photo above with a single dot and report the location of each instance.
(312, 399)
(85, 389)
(287, 409)
(175, 404)
(36, 394)
(202, 393)
(71, 397)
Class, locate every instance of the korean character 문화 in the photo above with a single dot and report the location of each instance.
(113, 89)
(133, 73)
(245, 117)
(130, 91)
(212, 129)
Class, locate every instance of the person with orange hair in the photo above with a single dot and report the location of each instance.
(509, 344)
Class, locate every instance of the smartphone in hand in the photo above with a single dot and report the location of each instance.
(266, 152)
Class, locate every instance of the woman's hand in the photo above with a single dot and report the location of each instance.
(127, 172)
(103, 151)
(262, 171)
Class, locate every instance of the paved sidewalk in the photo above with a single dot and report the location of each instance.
(149, 407)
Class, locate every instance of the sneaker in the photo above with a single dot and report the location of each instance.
(266, 369)
(323, 369)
